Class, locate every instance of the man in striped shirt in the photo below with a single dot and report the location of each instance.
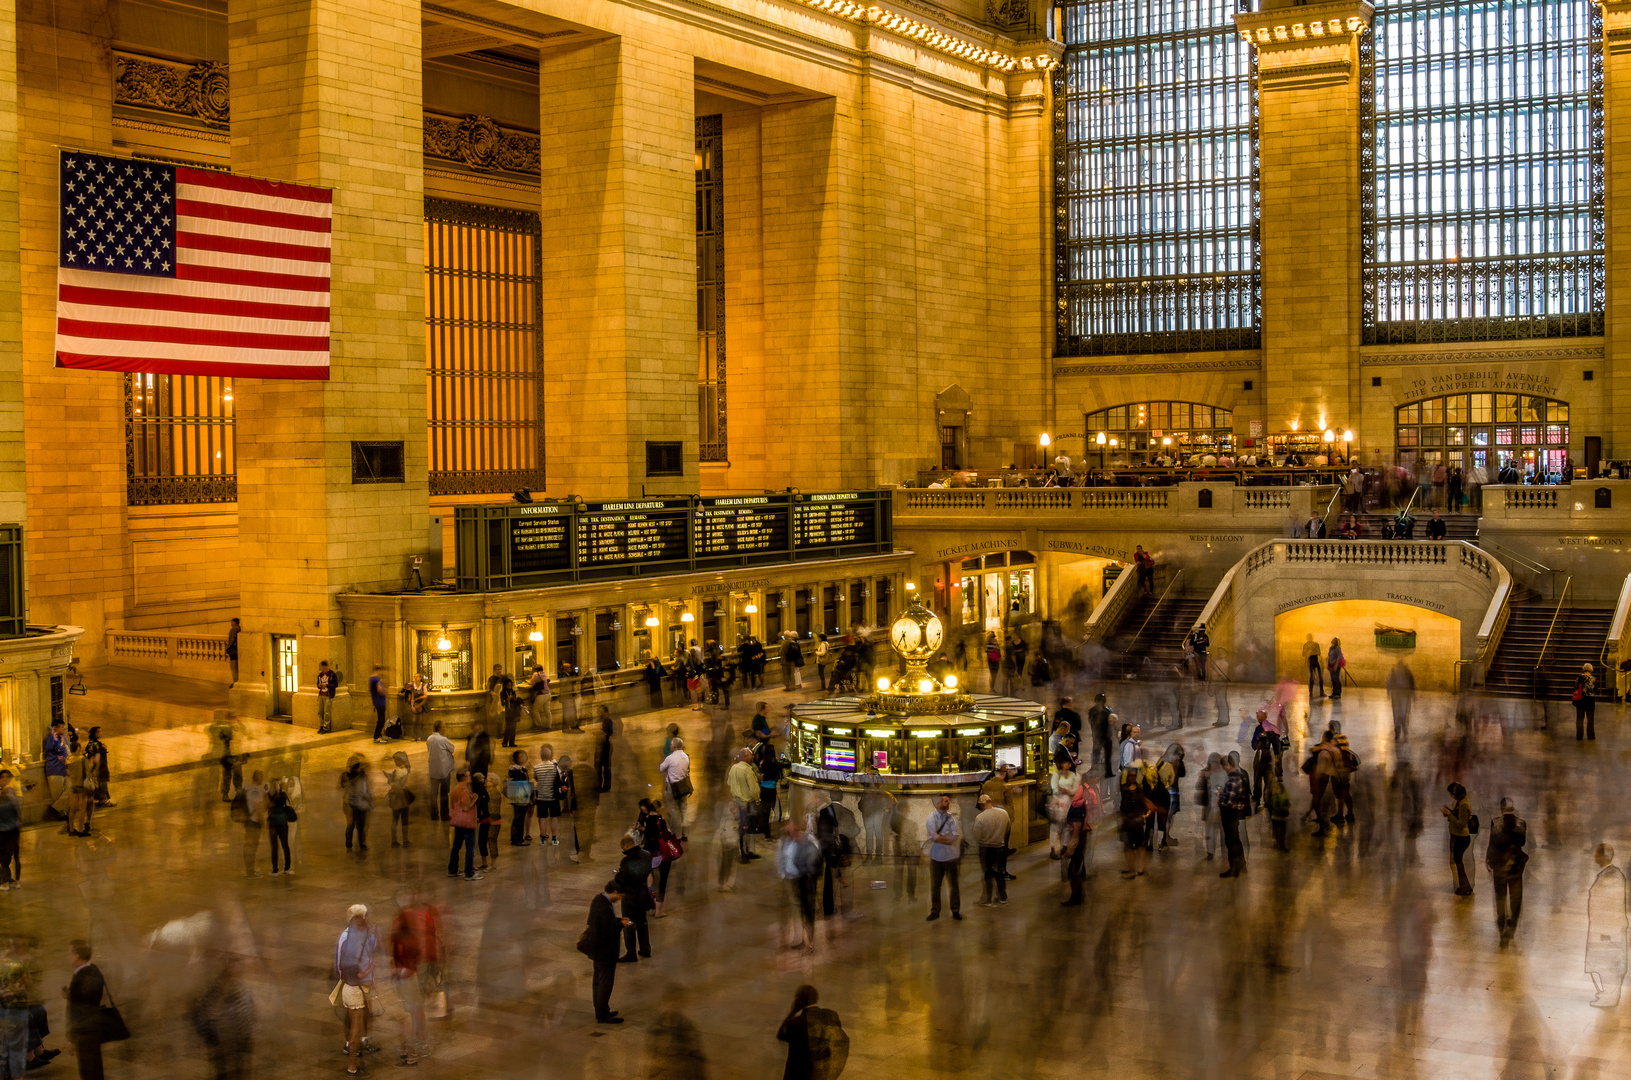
(546, 793)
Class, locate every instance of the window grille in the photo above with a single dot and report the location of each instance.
(179, 440)
(710, 288)
(1155, 179)
(1481, 165)
(484, 348)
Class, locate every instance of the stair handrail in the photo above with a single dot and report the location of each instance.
(1157, 607)
(1547, 644)
(1522, 560)
(1619, 632)
(1325, 517)
(1108, 611)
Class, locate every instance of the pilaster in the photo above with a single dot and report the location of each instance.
(619, 232)
(13, 488)
(1308, 100)
(1617, 241)
(327, 93)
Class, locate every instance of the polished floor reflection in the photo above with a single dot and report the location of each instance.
(1349, 956)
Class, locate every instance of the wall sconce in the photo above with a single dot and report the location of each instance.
(911, 586)
(533, 633)
(750, 608)
(443, 642)
(652, 621)
(1295, 424)
(686, 616)
(576, 629)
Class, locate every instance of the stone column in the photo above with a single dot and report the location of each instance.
(12, 488)
(619, 184)
(1308, 99)
(1617, 178)
(327, 93)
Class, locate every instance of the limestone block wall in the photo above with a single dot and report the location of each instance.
(73, 420)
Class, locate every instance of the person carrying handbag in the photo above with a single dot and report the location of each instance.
(90, 1022)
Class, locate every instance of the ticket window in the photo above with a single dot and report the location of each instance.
(883, 600)
(642, 639)
(678, 637)
(744, 621)
(857, 602)
(714, 623)
(566, 646)
(803, 601)
(773, 615)
(524, 651)
(606, 658)
(829, 609)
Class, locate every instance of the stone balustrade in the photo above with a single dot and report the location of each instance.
(1193, 503)
(191, 656)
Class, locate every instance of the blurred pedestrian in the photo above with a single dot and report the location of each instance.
(632, 874)
(354, 967)
(224, 1020)
(399, 797)
(465, 820)
(87, 1025)
(675, 768)
(1459, 817)
(1585, 703)
(945, 839)
(600, 943)
(11, 833)
(439, 755)
(1401, 691)
(1235, 805)
(1506, 858)
(280, 812)
(798, 860)
(359, 800)
(1606, 929)
(254, 821)
(546, 795)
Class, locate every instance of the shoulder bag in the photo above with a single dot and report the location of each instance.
(110, 1025)
(683, 788)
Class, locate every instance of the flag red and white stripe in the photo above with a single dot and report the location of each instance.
(250, 295)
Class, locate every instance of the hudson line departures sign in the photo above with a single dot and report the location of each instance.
(515, 545)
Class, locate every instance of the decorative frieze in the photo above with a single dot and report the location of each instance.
(197, 90)
(477, 142)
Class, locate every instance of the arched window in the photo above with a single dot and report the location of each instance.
(1485, 431)
(1140, 427)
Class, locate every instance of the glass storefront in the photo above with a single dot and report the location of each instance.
(1139, 429)
(1486, 431)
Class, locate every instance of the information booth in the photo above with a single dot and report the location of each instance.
(918, 739)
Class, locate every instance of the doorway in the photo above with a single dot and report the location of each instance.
(285, 674)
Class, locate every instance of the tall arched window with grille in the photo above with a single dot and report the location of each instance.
(1155, 179)
(1481, 166)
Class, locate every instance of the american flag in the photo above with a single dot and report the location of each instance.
(180, 271)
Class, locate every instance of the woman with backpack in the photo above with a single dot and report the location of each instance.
(518, 791)
(1585, 703)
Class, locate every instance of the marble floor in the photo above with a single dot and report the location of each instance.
(1348, 957)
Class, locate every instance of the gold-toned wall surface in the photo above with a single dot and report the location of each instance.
(1354, 623)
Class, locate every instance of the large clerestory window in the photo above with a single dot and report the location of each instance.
(1155, 178)
(1481, 164)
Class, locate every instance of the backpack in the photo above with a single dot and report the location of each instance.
(993, 654)
(1579, 690)
(353, 951)
(829, 1043)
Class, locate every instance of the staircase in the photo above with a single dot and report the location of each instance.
(1162, 641)
(1578, 638)
(1456, 526)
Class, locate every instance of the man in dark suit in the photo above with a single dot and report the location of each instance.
(605, 934)
(1070, 716)
(84, 992)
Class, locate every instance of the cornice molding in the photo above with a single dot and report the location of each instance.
(1307, 46)
(1159, 367)
(196, 90)
(1522, 354)
(479, 143)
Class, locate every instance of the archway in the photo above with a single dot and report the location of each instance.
(1431, 659)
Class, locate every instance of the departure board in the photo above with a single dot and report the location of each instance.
(541, 538)
(529, 545)
(648, 530)
(741, 525)
(838, 519)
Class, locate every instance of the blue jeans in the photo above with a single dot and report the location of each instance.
(466, 838)
(14, 1039)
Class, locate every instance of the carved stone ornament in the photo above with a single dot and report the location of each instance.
(1009, 14)
(479, 143)
(198, 90)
